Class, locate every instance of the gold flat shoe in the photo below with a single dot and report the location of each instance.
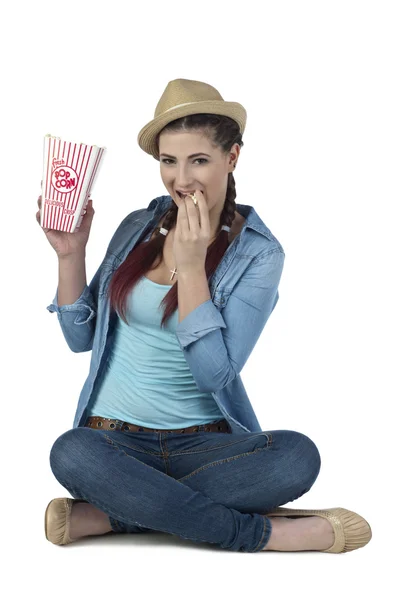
(350, 529)
(57, 520)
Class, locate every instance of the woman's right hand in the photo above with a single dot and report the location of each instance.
(67, 244)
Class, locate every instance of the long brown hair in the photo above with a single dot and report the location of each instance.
(222, 132)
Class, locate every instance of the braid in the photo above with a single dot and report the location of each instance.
(170, 218)
(228, 212)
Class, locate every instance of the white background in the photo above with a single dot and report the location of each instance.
(320, 163)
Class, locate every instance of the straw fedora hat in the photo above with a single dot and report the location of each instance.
(184, 97)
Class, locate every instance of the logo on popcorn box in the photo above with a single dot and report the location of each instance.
(64, 179)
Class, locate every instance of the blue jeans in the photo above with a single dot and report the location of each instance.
(206, 486)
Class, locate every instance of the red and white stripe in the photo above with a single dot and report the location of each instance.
(86, 161)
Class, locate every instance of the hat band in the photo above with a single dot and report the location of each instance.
(178, 105)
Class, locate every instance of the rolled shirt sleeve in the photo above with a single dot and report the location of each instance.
(205, 318)
(217, 344)
(77, 320)
(84, 306)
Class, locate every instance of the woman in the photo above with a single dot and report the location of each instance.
(165, 437)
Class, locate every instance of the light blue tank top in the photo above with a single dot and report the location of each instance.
(147, 380)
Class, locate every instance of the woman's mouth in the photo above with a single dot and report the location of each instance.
(182, 195)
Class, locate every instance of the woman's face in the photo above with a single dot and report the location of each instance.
(207, 172)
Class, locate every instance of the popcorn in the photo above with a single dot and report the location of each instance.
(70, 171)
(193, 197)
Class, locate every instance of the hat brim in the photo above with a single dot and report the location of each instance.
(147, 135)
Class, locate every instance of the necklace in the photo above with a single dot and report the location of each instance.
(164, 231)
(174, 272)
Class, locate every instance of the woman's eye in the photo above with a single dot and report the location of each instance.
(169, 160)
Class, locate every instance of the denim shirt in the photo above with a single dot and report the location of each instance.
(216, 338)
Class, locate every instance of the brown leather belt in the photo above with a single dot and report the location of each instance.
(94, 422)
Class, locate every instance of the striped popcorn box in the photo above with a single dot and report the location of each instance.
(70, 171)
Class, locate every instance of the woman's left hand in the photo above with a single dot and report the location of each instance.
(192, 234)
